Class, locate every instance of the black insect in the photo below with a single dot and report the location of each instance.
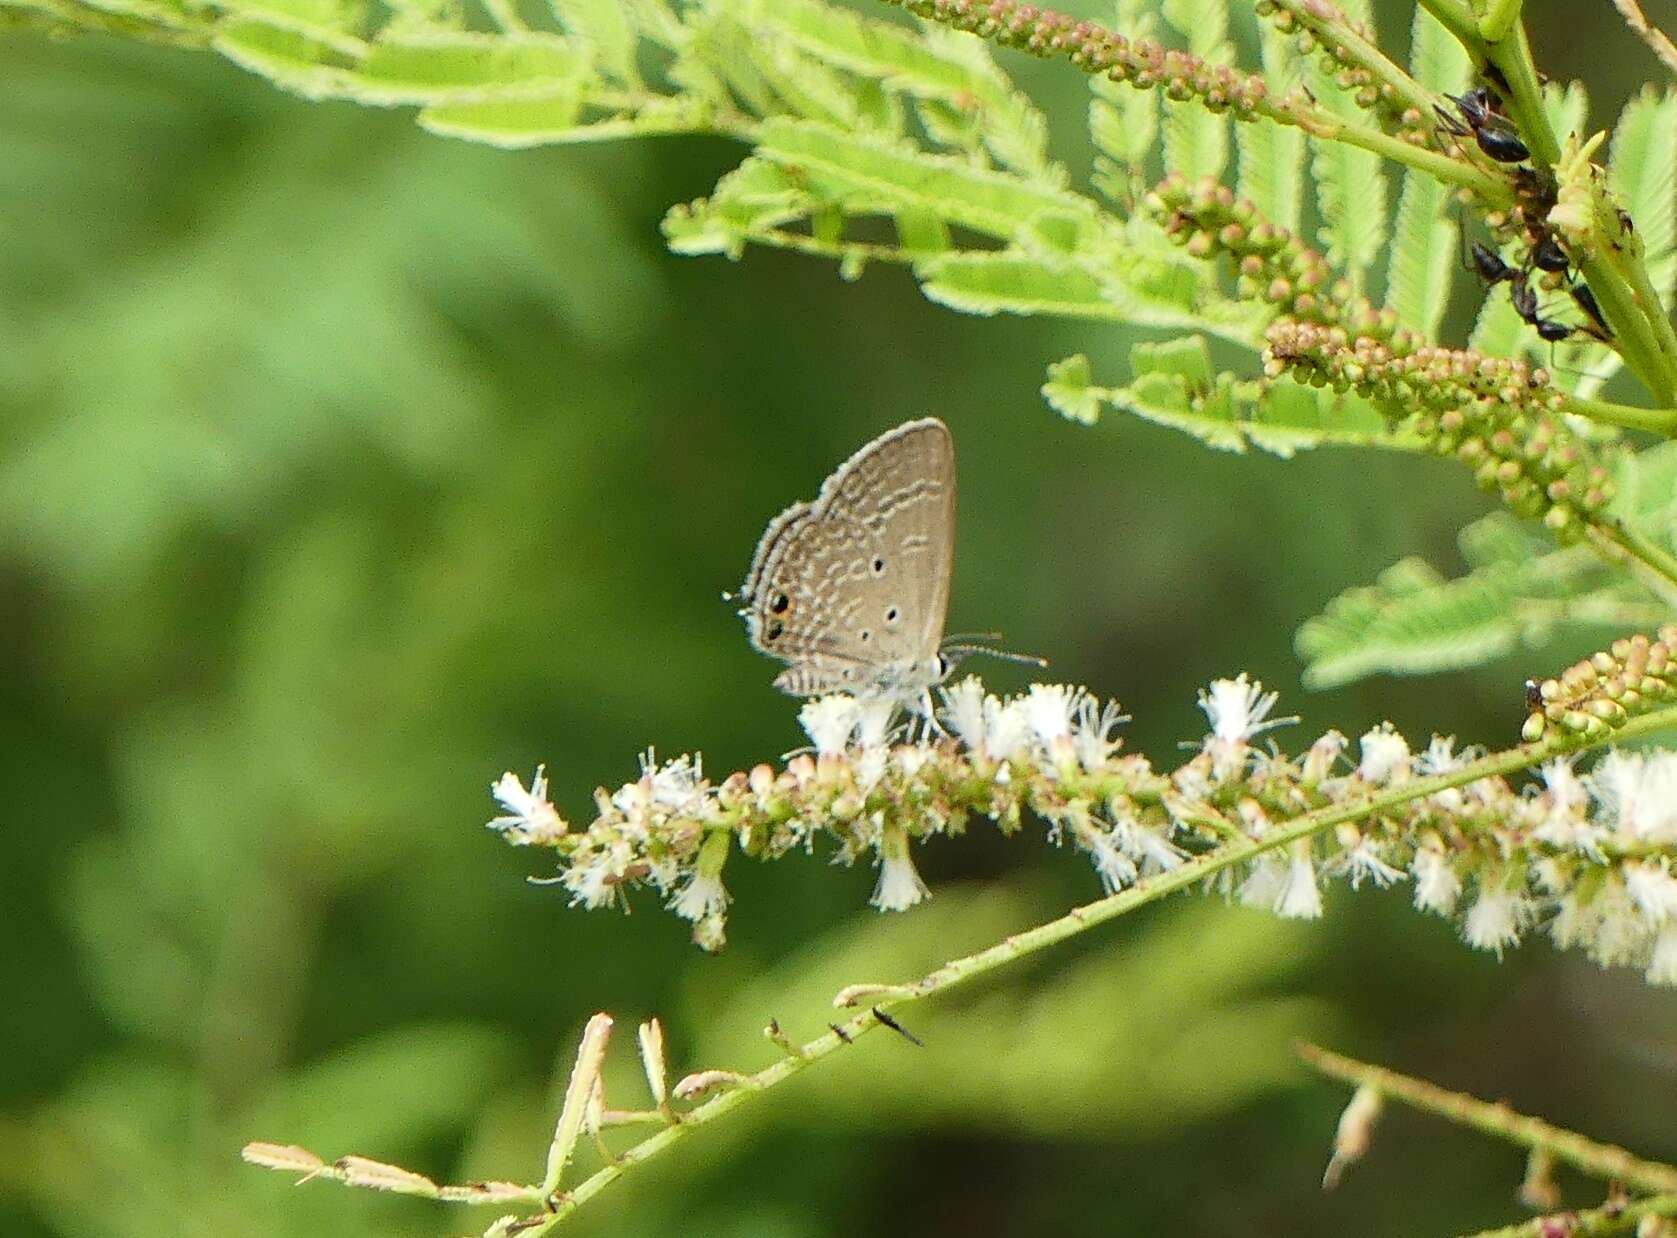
(1477, 115)
(1492, 269)
(1546, 252)
(1534, 694)
(1592, 308)
(1520, 292)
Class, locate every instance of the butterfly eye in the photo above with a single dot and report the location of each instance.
(775, 628)
(779, 604)
(878, 566)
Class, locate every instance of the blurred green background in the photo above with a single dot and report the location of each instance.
(343, 467)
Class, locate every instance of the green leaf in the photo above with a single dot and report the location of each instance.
(1642, 165)
(809, 88)
(853, 169)
(1197, 139)
(1069, 390)
(1010, 282)
(1425, 245)
(323, 18)
(316, 65)
(604, 28)
(1518, 592)
(1411, 622)
(1013, 128)
(1566, 106)
(1175, 384)
(756, 196)
(1123, 124)
(947, 66)
(1425, 255)
(1271, 155)
(1350, 191)
(465, 67)
(1436, 59)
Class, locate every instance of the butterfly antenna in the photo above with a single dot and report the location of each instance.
(1005, 655)
(964, 637)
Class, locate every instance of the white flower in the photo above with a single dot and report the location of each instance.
(702, 896)
(829, 722)
(964, 710)
(911, 758)
(1662, 967)
(677, 785)
(1436, 885)
(1007, 731)
(1300, 898)
(1653, 890)
(530, 817)
(1284, 885)
(1049, 709)
(873, 727)
(1619, 933)
(1639, 794)
(592, 884)
(1385, 755)
(1116, 869)
(1360, 861)
(899, 886)
(1565, 821)
(870, 766)
(1093, 734)
(1323, 755)
(1497, 916)
(1152, 850)
(1238, 709)
(1264, 884)
(1440, 757)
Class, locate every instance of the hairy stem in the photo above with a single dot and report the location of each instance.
(1600, 1160)
(1592, 1223)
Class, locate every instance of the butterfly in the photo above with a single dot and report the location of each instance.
(851, 589)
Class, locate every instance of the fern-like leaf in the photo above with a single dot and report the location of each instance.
(1175, 384)
(1643, 167)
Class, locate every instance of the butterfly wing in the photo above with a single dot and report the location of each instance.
(851, 590)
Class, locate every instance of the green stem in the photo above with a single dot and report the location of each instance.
(1656, 565)
(1600, 1160)
(1591, 1223)
(1328, 24)
(1635, 335)
(1630, 416)
(1499, 19)
(1456, 17)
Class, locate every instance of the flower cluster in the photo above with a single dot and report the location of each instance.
(1590, 855)
(1606, 689)
(1359, 68)
(1497, 416)
(1273, 265)
(1142, 63)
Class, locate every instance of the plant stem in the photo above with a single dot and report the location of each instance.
(1600, 1160)
(1328, 24)
(1592, 1223)
(1630, 416)
(1499, 19)
(1656, 565)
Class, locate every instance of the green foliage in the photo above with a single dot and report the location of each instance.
(1518, 592)
(1176, 385)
